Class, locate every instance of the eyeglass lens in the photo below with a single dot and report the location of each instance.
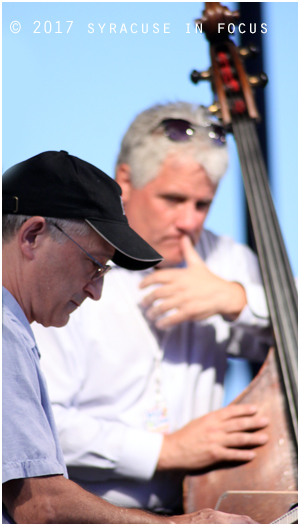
(101, 270)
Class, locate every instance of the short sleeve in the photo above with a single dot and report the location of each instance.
(29, 444)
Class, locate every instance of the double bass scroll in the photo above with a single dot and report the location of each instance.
(275, 389)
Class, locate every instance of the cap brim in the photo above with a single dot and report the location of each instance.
(132, 251)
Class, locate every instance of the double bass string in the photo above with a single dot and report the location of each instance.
(278, 262)
(273, 261)
(255, 208)
(260, 192)
(287, 275)
(281, 269)
(258, 208)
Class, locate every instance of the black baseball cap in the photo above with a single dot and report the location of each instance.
(56, 184)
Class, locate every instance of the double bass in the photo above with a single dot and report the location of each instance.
(264, 488)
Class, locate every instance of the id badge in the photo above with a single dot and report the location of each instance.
(157, 420)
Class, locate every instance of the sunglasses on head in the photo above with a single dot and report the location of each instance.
(180, 130)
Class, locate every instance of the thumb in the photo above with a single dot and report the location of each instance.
(190, 255)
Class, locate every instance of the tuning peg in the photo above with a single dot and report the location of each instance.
(249, 51)
(258, 81)
(214, 108)
(196, 76)
(223, 14)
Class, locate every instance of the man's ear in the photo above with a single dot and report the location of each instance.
(123, 178)
(28, 235)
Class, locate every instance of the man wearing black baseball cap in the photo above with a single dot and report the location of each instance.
(63, 220)
(55, 184)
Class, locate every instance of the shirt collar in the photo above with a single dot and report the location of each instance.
(11, 303)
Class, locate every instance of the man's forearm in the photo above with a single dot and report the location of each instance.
(57, 500)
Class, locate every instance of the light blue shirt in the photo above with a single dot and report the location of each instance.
(30, 446)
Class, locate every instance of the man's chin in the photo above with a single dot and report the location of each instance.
(61, 322)
(62, 319)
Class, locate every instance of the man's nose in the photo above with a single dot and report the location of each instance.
(189, 219)
(94, 289)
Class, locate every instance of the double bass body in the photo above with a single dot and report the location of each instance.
(265, 487)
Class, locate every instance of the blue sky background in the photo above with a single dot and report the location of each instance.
(78, 91)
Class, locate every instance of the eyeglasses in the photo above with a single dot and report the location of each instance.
(180, 130)
(101, 270)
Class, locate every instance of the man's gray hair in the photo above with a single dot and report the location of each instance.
(144, 150)
(12, 223)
